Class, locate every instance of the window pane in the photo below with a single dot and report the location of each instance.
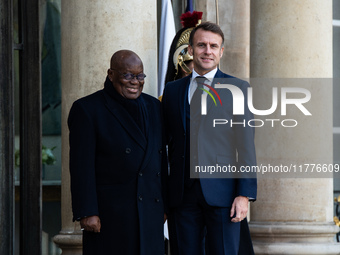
(336, 148)
(51, 123)
(336, 9)
(16, 21)
(336, 52)
(336, 75)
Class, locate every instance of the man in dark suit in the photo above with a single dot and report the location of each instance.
(115, 164)
(215, 204)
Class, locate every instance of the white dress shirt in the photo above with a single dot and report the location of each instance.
(193, 83)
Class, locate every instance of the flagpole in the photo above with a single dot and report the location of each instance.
(217, 16)
(217, 20)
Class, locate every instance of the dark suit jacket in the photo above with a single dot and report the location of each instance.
(116, 174)
(224, 145)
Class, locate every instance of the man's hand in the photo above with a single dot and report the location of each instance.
(91, 224)
(240, 207)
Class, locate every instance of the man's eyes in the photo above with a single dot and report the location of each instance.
(201, 45)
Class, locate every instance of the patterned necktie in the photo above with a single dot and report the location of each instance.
(195, 104)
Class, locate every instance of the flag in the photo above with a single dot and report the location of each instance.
(190, 7)
(167, 34)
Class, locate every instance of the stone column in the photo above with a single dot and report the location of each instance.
(233, 17)
(91, 32)
(293, 39)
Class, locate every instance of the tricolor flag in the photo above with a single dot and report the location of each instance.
(190, 7)
(167, 34)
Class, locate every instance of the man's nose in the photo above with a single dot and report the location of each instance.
(134, 80)
(208, 50)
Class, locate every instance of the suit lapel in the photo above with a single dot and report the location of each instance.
(183, 98)
(126, 121)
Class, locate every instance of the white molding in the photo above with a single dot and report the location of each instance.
(336, 23)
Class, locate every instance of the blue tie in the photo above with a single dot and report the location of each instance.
(195, 104)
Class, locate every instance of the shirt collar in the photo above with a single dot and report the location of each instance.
(193, 85)
(210, 76)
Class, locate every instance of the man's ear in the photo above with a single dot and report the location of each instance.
(110, 74)
(221, 52)
(190, 50)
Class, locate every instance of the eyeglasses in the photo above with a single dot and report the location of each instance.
(130, 76)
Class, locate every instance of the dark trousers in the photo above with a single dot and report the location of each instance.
(189, 222)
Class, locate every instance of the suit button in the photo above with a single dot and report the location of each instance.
(127, 150)
(140, 198)
(159, 174)
(140, 174)
(183, 156)
(156, 200)
(160, 151)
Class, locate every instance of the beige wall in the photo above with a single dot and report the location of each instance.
(293, 39)
(91, 32)
(233, 17)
